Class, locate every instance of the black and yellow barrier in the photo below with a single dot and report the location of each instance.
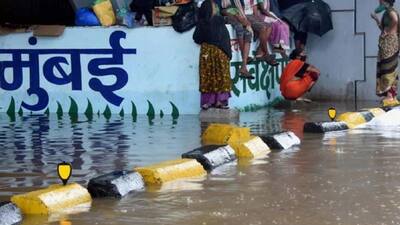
(54, 199)
(345, 121)
(171, 170)
(281, 141)
(212, 156)
(10, 214)
(116, 184)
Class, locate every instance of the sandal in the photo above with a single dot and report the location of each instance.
(270, 60)
(205, 106)
(390, 102)
(220, 105)
(251, 59)
(246, 75)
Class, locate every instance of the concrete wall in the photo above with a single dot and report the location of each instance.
(340, 53)
(163, 70)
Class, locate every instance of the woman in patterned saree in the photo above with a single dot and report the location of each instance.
(215, 54)
(387, 76)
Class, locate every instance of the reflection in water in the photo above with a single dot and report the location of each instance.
(348, 177)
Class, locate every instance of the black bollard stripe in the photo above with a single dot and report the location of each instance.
(211, 156)
(281, 141)
(116, 184)
(368, 116)
(322, 127)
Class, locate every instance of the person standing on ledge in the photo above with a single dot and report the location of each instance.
(386, 74)
(298, 77)
(215, 54)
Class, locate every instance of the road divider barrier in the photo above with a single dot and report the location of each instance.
(171, 170)
(252, 147)
(223, 134)
(10, 214)
(116, 184)
(54, 199)
(212, 156)
(281, 141)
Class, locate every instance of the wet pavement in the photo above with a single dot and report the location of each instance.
(347, 177)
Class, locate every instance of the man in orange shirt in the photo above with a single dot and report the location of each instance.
(298, 77)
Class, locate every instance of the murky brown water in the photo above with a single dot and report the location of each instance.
(350, 177)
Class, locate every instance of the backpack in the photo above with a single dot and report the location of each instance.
(185, 18)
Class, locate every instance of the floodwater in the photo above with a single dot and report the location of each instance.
(349, 177)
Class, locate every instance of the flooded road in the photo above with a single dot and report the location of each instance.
(349, 177)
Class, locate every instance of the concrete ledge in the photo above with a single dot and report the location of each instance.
(222, 134)
(253, 147)
(115, 184)
(56, 198)
(281, 141)
(214, 114)
(171, 170)
(323, 127)
(10, 214)
(212, 156)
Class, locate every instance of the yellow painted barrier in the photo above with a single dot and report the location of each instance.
(352, 119)
(56, 198)
(222, 134)
(171, 170)
(377, 111)
(252, 147)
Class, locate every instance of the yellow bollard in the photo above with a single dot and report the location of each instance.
(252, 147)
(221, 134)
(171, 170)
(55, 198)
(352, 119)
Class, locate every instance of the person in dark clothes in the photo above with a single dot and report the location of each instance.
(300, 38)
(215, 54)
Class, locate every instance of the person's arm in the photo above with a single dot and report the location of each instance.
(378, 23)
(264, 11)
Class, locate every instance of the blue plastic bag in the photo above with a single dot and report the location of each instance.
(86, 17)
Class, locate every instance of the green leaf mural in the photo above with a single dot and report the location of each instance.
(107, 113)
(175, 111)
(89, 111)
(134, 112)
(161, 114)
(73, 109)
(11, 108)
(122, 113)
(59, 110)
(20, 112)
(150, 113)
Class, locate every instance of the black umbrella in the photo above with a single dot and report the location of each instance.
(312, 16)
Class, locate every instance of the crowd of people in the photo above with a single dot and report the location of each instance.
(251, 19)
